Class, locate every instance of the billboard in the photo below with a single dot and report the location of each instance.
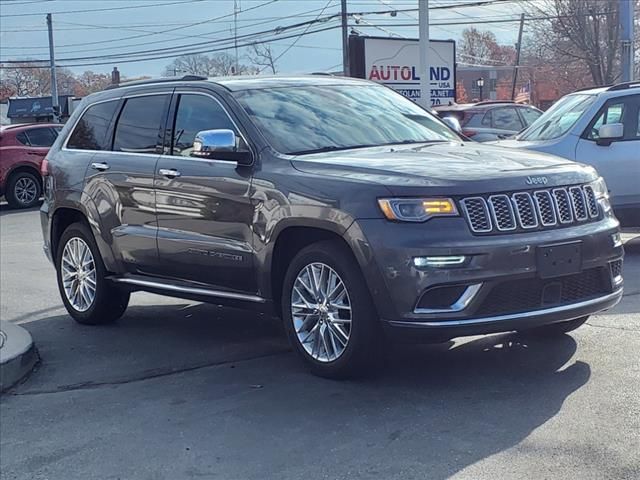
(396, 63)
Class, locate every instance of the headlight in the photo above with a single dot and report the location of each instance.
(600, 188)
(602, 194)
(417, 209)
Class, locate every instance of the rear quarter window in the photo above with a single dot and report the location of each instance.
(22, 138)
(90, 133)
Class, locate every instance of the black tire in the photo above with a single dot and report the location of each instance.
(363, 347)
(15, 187)
(109, 302)
(560, 328)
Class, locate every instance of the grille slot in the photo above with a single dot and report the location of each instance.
(563, 206)
(502, 212)
(539, 210)
(544, 204)
(525, 210)
(578, 203)
(477, 214)
(592, 204)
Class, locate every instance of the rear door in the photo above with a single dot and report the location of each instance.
(619, 162)
(204, 206)
(120, 180)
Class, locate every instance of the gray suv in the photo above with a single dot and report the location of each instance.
(335, 203)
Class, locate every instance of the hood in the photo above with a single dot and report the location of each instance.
(449, 168)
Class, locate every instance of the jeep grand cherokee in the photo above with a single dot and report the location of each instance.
(340, 205)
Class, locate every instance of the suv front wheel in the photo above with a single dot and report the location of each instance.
(87, 295)
(328, 312)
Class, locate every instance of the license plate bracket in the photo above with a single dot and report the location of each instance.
(559, 259)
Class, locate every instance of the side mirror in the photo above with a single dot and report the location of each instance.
(610, 132)
(453, 123)
(221, 144)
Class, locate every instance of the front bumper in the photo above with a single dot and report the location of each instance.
(493, 264)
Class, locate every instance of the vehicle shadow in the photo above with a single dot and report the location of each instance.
(5, 209)
(430, 412)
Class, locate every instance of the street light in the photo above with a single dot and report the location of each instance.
(480, 84)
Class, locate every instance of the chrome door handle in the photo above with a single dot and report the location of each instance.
(100, 166)
(169, 172)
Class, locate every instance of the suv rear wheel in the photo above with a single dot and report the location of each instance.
(87, 295)
(328, 312)
(23, 190)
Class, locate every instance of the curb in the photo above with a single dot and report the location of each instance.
(18, 354)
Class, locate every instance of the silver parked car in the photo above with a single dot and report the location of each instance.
(599, 127)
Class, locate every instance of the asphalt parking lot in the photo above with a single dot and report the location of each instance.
(179, 390)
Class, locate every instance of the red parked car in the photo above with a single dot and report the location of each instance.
(22, 149)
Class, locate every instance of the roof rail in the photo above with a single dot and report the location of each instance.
(150, 81)
(624, 86)
(489, 102)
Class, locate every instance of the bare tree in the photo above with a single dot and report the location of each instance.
(583, 32)
(477, 46)
(205, 65)
(27, 80)
(261, 56)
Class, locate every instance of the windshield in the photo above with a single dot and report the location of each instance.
(308, 119)
(559, 119)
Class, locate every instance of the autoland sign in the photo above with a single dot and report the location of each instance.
(396, 61)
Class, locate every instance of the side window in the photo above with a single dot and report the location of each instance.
(139, 126)
(611, 113)
(41, 137)
(472, 119)
(22, 138)
(91, 130)
(506, 118)
(194, 114)
(486, 120)
(530, 115)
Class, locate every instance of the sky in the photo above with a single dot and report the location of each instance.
(99, 28)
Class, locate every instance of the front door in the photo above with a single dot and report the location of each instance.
(619, 162)
(203, 206)
(120, 180)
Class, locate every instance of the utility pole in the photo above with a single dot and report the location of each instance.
(235, 32)
(54, 81)
(627, 38)
(423, 30)
(345, 39)
(517, 65)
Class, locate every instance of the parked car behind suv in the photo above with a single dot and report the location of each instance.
(599, 127)
(22, 148)
(296, 196)
(490, 120)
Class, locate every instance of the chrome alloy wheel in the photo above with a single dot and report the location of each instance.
(321, 312)
(25, 190)
(78, 274)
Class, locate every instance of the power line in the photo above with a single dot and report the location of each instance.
(92, 10)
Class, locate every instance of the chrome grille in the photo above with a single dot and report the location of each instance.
(542, 209)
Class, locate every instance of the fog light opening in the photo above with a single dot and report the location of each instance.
(616, 238)
(439, 261)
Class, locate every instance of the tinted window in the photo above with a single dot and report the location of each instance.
(22, 138)
(506, 118)
(196, 113)
(139, 126)
(473, 119)
(91, 130)
(530, 115)
(41, 137)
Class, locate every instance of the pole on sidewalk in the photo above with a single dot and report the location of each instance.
(54, 80)
(423, 30)
(627, 38)
(345, 39)
(515, 68)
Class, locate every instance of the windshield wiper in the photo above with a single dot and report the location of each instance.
(328, 148)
